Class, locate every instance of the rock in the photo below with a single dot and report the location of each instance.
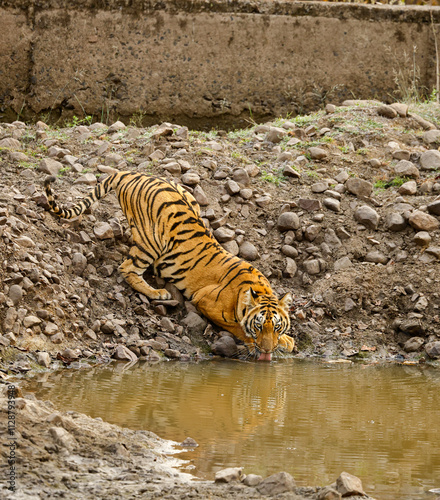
(434, 207)
(408, 188)
(432, 349)
(290, 251)
(376, 257)
(15, 294)
(173, 168)
(116, 127)
(413, 344)
(190, 178)
(328, 493)
(288, 221)
(367, 216)
(252, 480)
(50, 328)
(412, 327)
(231, 247)
(172, 353)
(232, 187)
(189, 443)
(275, 134)
(194, 322)
(311, 232)
(401, 108)
(30, 321)
(421, 221)
(10, 143)
(401, 154)
(223, 234)
(406, 168)
(395, 222)
(43, 359)
(312, 266)
(359, 187)
(263, 201)
(386, 111)
(422, 238)
(228, 475)
(430, 160)
(79, 263)
(25, 241)
(88, 179)
(103, 231)
(225, 346)
(276, 484)
(62, 438)
(332, 204)
(319, 187)
(317, 153)
(50, 166)
(241, 176)
(289, 171)
(291, 268)
(343, 263)
(431, 136)
(123, 353)
(347, 485)
(200, 196)
(248, 251)
(310, 205)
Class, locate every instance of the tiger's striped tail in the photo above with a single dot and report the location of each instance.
(99, 192)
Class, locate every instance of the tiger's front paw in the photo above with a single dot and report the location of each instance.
(160, 294)
(287, 343)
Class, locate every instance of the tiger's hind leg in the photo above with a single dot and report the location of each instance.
(133, 268)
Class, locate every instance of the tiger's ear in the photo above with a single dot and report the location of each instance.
(249, 298)
(286, 301)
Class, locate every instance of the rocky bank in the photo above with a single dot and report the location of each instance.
(340, 207)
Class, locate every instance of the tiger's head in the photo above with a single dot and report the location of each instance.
(265, 322)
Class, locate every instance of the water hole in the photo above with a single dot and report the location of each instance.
(313, 420)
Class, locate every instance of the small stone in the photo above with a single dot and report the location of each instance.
(432, 349)
(310, 205)
(25, 241)
(367, 216)
(434, 207)
(252, 480)
(10, 143)
(422, 238)
(15, 294)
(248, 251)
(123, 353)
(200, 196)
(317, 153)
(406, 168)
(30, 321)
(116, 127)
(263, 201)
(330, 108)
(190, 178)
(157, 155)
(332, 204)
(413, 344)
(395, 222)
(375, 163)
(275, 134)
(376, 257)
(228, 475)
(412, 326)
(225, 346)
(194, 322)
(289, 171)
(430, 160)
(173, 168)
(62, 438)
(288, 221)
(408, 188)
(88, 179)
(312, 266)
(223, 234)
(359, 187)
(79, 263)
(113, 159)
(421, 221)
(431, 137)
(189, 443)
(232, 187)
(276, 484)
(328, 493)
(347, 484)
(289, 251)
(401, 108)
(343, 263)
(319, 187)
(172, 353)
(386, 111)
(50, 328)
(231, 247)
(103, 231)
(291, 268)
(241, 176)
(43, 359)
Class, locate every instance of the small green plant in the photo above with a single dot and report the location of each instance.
(276, 177)
(87, 120)
(382, 184)
(62, 171)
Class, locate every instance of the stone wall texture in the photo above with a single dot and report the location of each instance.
(199, 61)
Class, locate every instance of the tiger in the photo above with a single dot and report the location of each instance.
(169, 234)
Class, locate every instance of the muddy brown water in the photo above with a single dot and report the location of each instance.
(313, 420)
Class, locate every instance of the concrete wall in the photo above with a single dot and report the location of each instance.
(203, 61)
